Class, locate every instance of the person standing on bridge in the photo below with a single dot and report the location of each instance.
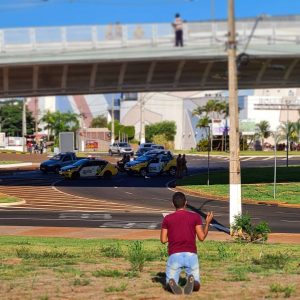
(178, 28)
(179, 230)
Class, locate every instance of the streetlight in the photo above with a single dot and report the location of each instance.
(287, 102)
(113, 119)
(24, 125)
(275, 164)
(208, 151)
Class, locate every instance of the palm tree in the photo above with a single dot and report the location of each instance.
(296, 127)
(58, 122)
(289, 132)
(263, 131)
(204, 122)
(208, 109)
(224, 109)
(211, 107)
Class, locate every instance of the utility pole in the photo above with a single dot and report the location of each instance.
(142, 119)
(288, 101)
(234, 142)
(24, 125)
(113, 120)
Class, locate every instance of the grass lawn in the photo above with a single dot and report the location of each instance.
(257, 184)
(59, 268)
(7, 162)
(242, 153)
(8, 199)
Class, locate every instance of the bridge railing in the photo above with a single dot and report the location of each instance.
(141, 35)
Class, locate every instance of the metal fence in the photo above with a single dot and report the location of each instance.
(141, 35)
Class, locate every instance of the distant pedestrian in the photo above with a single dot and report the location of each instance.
(179, 166)
(29, 147)
(36, 148)
(178, 28)
(184, 166)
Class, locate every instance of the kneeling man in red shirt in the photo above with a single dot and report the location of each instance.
(179, 230)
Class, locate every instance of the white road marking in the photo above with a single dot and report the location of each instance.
(249, 158)
(128, 193)
(290, 221)
(286, 213)
(127, 225)
(268, 158)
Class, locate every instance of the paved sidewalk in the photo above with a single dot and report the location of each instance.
(122, 234)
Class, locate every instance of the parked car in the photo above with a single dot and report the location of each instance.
(55, 163)
(161, 147)
(154, 163)
(141, 151)
(120, 149)
(146, 145)
(88, 168)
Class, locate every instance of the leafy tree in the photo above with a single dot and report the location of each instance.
(263, 131)
(160, 139)
(166, 128)
(212, 106)
(296, 127)
(11, 118)
(120, 129)
(288, 129)
(99, 122)
(57, 122)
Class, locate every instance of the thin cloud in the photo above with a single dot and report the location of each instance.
(19, 4)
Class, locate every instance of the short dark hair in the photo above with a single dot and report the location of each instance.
(177, 15)
(179, 200)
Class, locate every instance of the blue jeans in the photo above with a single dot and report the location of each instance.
(177, 261)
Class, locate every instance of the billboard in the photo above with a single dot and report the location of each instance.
(66, 141)
(2, 139)
(91, 145)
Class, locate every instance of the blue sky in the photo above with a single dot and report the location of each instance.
(24, 13)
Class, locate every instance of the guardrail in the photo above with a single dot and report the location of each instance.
(141, 35)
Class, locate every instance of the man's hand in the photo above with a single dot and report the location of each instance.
(209, 217)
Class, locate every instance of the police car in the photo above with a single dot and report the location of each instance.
(153, 162)
(89, 167)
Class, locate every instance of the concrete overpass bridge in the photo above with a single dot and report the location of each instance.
(128, 58)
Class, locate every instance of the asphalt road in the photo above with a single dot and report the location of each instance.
(150, 193)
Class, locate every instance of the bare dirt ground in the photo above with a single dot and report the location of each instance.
(81, 282)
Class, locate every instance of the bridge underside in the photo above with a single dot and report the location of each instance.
(175, 74)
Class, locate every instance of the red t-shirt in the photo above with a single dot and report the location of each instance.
(181, 231)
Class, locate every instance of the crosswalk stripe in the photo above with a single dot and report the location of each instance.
(49, 197)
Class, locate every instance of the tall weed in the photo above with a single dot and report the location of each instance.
(136, 255)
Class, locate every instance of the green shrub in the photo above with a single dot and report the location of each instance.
(113, 250)
(114, 289)
(272, 261)
(244, 230)
(107, 273)
(278, 288)
(136, 256)
(26, 253)
(202, 145)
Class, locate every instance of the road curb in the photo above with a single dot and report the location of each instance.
(225, 199)
(12, 203)
(8, 166)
